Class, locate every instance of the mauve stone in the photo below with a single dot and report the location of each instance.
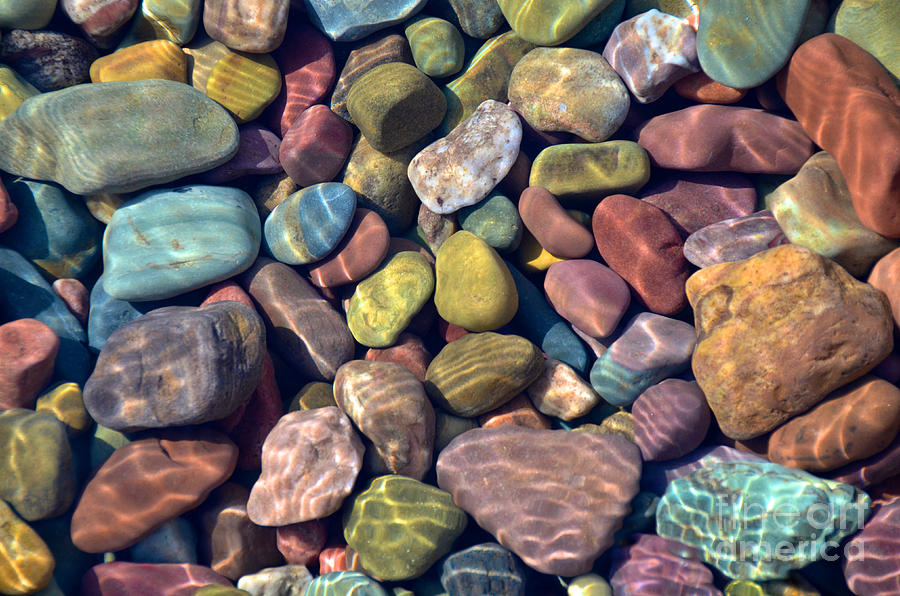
(75, 295)
(516, 412)
(408, 351)
(258, 151)
(850, 106)
(856, 421)
(303, 327)
(870, 564)
(147, 483)
(639, 242)
(122, 578)
(696, 200)
(670, 419)
(46, 59)
(100, 19)
(872, 470)
(309, 465)
(301, 543)
(552, 226)
(306, 61)
(656, 566)
(561, 392)
(713, 138)
(28, 350)
(554, 498)
(885, 276)
(8, 211)
(733, 239)
(246, 25)
(589, 295)
(700, 88)
(360, 252)
(316, 146)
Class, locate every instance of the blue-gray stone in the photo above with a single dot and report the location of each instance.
(25, 294)
(344, 583)
(759, 520)
(310, 223)
(174, 542)
(54, 230)
(543, 326)
(349, 20)
(170, 241)
(483, 569)
(495, 220)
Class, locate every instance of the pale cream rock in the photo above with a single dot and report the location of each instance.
(561, 392)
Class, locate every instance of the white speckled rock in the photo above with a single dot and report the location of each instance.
(287, 580)
(462, 168)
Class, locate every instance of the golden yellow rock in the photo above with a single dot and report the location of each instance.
(158, 59)
(103, 205)
(13, 91)
(26, 564)
(66, 403)
(313, 395)
(533, 257)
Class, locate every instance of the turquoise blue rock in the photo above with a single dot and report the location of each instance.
(344, 583)
(55, 231)
(347, 20)
(759, 520)
(543, 326)
(170, 241)
(600, 28)
(24, 294)
(174, 542)
(309, 223)
(495, 220)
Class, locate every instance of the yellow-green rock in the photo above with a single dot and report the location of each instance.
(174, 20)
(217, 590)
(385, 302)
(158, 59)
(26, 564)
(437, 46)
(316, 394)
(65, 402)
(26, 14)
(103, 205)
(679, 8)
(873, 25)
(591, 170)
(589, 584)
(793, 586)
(482, 371)
(474, 288)
(550, 22)
(13, 91)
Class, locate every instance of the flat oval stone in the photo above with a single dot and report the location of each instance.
(589, 295)
(384, 49)
(574, 488)
(37, 476)
(569, 90)
(123, 578)
(748, 498)
(725, 138)
(484, 568)
(194, 365)
(310, 223)
(561, 392)
(46, 59)
(482, 371)
(30, 14)
(246, 26)
(850, 106)
(347, 21)
(462, 168)
(552, 227)
(27, 564)
(872, 25)
(495, 220)
(389, 406)
(364, 247)
(316, 146)
(585, 170)
(742, 44)
(161, 243)
(437, 46)
(755, 366)
(868, 566)
(384, 303)
(670, 419)
(473, 287)
(733, 239)
(172, 20)
(139, 141)
(66, 403)
(147, 483)
(344, 583)
(27, 352)
(548, 23)
(157, 59)
(400, 527)
(100, 20)
(656, 565)
(309, 464)
(856, 421)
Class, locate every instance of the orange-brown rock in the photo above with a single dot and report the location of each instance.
(552, 227)
(516, 412)
(702, 89)
(885, 276)
(363, 248)
(27, 351)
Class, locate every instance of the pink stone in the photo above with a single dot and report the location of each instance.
(870, 566)
(657, 566)
(316, 146)
(121, 578)
(670, 419)
(28, 349)
(76, 296)
(554, 229)
(591, 296)
(360, 252)
(561, 392)
(100, 19)
(301, 543)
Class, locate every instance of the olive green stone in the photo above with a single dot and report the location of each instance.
(550, 22)
(316, 394)
(26, 564)
(400, 527)
(679, 8)
(66, 403)
(591, 170)
(395, 105)
(13, 91)
(474, 288)
(385, 302)
(103, 442)
(26, 14)
(873, 25)
(449, 426)
(36, 473)
(495, 220)
(437, 46)
(217, 590)
(482, 371)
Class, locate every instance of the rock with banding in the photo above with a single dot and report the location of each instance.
(589, 295)
(364, 247)
(482, 371)
(316, 146)
(670, 419)
(27, 352)
(138, 142)
(584, 171)
(100, 19)
(304, 329)
(156, 59)
(569, 90)
(725, 139)
(172, 20)
(147, 483)
(856, 421)
(389, 406)
(246, 26)
(551, 226)
(561, 392)
(309, 464)
(385, 49)
(548, 23)
(780, 331)
(462, 168)
(554, 498)
(850, 106)
(123, 578)
(408, 351)
(301, 543)
(700, 88)
(656, 566)
(869, 566)
(639, 242)
(193, 365)
(27, 565)
(484, 568)
(734, 239)
(46, 59)
(333, 583)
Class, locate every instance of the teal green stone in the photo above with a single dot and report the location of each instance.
(167, 242)
(495, 220)
(344, 583)
(55, 231)
(310, 223)
(743, 43)
(117, 137)
(437, 46)
(600, 28)
(26, 14)
(759, 520)
(873, 25)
